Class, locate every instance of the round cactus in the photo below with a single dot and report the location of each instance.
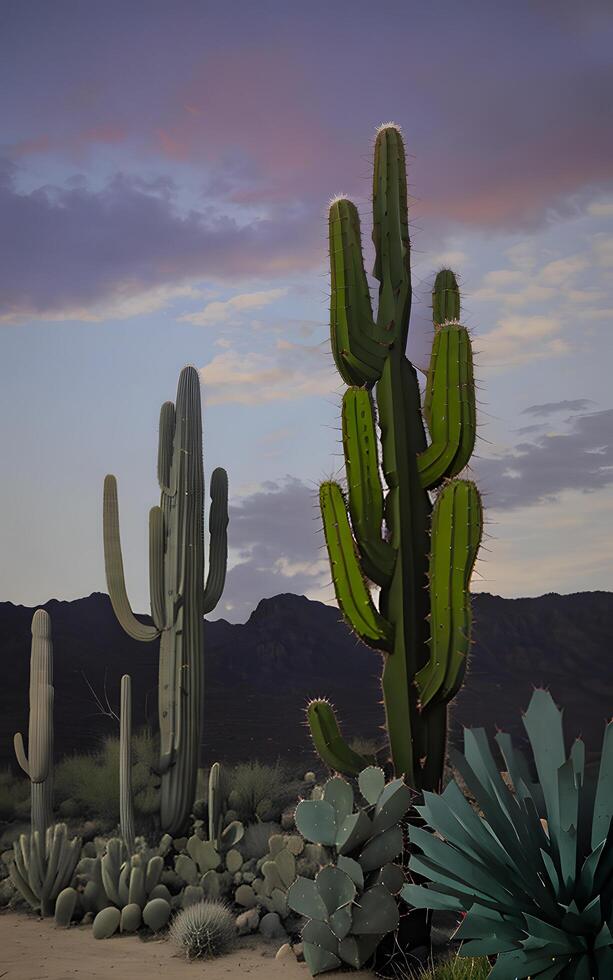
(156, 914)
(106, 923)
(131, 918)
(204, 930)
(65, 906)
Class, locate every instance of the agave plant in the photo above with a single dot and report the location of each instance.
(534, 874)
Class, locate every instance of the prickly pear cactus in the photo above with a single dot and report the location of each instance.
(419, 552)
(350, 905)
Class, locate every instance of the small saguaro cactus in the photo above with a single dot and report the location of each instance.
(419, 552)
(126, 806)
(38, 763)
(179, 597)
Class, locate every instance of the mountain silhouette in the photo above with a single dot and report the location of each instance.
(260, 674)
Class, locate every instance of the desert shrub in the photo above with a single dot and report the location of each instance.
(203, 930)
(455, 968)
(14, 796)
(255, 839)
(254, 783)
(91, 780)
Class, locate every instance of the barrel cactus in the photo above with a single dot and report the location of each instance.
(204, 930)
(419, 554)
(350, 905)
(179, 598)
(534, 874)
(38, 762)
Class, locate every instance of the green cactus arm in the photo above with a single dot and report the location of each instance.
(218, 536)
(165, 448)
(328, 741)
(20, 752)
(114, 568)
(358, 346)
(390, 234)
(445, 298)
(365, 493)
(156, 567)
(449, 407)
(456, 534)
(351, 590)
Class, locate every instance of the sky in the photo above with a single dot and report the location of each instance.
(165, 172)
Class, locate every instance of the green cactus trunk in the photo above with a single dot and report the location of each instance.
(126, 807)
(420, 551)
(179, 598)
(38, 764)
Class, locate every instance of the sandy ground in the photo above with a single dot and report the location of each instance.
(34, 949)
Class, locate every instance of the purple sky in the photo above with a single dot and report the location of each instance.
(164, 174)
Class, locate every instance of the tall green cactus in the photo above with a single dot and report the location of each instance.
(126, 805)
(179, 598)
(419, 555)
(38, 764)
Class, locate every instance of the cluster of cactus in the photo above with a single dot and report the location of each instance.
(350, 905)
(287, 856)
(38, 763)
(125, 891)
(44, 866)
(179, 597)
(209, 863)
(420, 557)
(534, 874)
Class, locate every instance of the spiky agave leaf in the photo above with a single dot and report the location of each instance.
(537, 893)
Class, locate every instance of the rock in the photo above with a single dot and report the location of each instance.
(298, 949)
(245, 896)
(200, 809)
(309, 777)
(271, 926)
(247, 922)
(89, 830)
(420, 953)
(283, 952)
(287, 819)
(7, 891)
(87, 919)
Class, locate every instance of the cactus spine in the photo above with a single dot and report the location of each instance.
(420, 557)
(126, 808)
(38, 764)
(179, 598)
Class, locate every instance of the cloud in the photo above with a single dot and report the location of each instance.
(538, 471)
(551, 408)
(289, 372)
(228, 311)
(600, 209)
(259, 102)
(274, 534)
(519, 340)
(73, 252)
